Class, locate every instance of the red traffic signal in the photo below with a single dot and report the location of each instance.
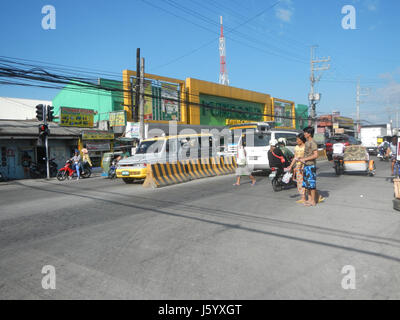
(44, 130)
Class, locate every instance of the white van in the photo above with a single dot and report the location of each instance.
(257, 152)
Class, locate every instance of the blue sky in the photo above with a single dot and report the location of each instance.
(178, 38)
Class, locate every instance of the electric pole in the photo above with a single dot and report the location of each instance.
(137, 87)
(315, 97)
(358, 102)
(141, 103)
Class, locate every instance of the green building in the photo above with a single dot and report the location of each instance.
(301, 116)
(75, 95)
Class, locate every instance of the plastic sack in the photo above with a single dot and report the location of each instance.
(286, 177)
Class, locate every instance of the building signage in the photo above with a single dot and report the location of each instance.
(218, 111)
(117, 119)
(97, 135)
(283, 114)
(96, 146)
(133, 130)
(148, 101)
(73, 117)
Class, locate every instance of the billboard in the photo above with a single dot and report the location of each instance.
(73, 117)
(283, 113)
(97, 135)
(117, 119)
(169, 101)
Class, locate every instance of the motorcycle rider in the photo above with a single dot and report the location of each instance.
(76, 160)
(393, 150)
(383, 148)
(286, 152)
(276, 157)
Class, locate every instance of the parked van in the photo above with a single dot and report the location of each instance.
(257, 150)
(162, 150)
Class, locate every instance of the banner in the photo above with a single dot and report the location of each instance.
(169, 101)
(283, 114)
(133, 130)
(117, 119)
(148, 101)
(73, 117)
(97, 135)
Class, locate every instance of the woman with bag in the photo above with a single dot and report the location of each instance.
(242, 167)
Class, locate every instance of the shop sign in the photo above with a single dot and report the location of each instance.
(97, 135)
(98, 146)
(117, 119)
(169, 101)
(73, 117)
(216, 110)
(133, 130)
(230, 122)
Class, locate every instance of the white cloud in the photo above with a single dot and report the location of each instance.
(285, 11)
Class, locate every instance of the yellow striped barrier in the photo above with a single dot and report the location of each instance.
(164, 174)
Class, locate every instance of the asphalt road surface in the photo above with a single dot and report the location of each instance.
(204, 239)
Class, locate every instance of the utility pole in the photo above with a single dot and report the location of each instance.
(358, 102)
(137, 87)
(46, 142)
(315, 97)
(141, 103)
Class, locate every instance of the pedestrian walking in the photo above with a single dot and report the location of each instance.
(298, 166)
(243, 168)
(310, 169)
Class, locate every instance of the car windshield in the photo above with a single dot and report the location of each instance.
(337, 139)
(150, 146)
(262, 140)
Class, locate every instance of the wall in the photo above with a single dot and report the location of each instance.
(19, 109)
(74, 96)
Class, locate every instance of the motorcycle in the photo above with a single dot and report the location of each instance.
(337, 157)
(40, 170)
(68, 171)
(279, 181)
(382, 154)
(112, 171)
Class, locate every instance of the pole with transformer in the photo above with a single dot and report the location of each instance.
(141, 103)
(137, 87)
(358, 102)
(315, 97)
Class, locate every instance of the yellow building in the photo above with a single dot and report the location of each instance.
(202, 103)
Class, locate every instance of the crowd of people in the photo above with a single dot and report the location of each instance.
(302, 163)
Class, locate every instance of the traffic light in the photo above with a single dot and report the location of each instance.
(50, 113)
(43, 130)
(39, 112)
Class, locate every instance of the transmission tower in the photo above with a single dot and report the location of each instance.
(223, 74)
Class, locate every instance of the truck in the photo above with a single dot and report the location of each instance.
(369, 137)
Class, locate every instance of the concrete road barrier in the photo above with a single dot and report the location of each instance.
(164, 174)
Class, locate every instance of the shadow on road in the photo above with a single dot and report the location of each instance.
(161, 206)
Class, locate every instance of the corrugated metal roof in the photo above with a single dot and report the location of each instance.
(30, 128)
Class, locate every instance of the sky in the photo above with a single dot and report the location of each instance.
(267, 45)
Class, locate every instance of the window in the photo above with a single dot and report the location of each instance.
(262, 140)
(290, 138)
(151, 146)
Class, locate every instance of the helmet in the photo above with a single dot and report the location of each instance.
(282, 141)
(273, 142)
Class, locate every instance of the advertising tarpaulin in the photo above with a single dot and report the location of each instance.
(148, 101)
(283, 113)
(117, 119)
(74, 117)
(169, 101)
(133, 130)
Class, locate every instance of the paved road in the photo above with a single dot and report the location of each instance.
(204, 239)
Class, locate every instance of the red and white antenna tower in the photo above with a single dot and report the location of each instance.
(223, 74)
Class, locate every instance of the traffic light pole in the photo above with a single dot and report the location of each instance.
(46, 137)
